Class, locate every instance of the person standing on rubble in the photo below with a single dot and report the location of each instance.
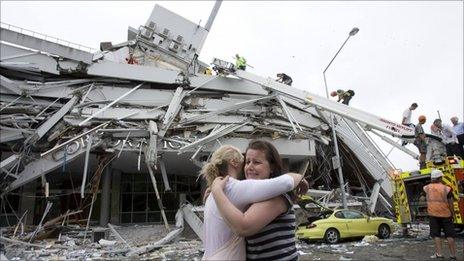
(268, 226)
(407, 118)
(240, 62)
(448, 135)
(208, 71)
(284, 78)
(436, 149)
(407, 115)
(420, 141)
(220, 243)
(441, 212)
(344, 96)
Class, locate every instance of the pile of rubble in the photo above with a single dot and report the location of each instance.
(75, 248)
(75, 242)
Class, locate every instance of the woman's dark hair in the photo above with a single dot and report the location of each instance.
(272, 155)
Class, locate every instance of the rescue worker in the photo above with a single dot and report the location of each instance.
(436, 149)
(344, 96)
(420, 141)
(458, 128)
(448, 135)
(284, 78)
(407, 115)
(441, 212)
(240, 62)
(407, 118)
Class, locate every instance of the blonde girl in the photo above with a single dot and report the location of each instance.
(220, 243)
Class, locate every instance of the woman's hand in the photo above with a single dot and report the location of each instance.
(219, 184)
(302, 187)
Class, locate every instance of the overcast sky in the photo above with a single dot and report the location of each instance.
(404, 52)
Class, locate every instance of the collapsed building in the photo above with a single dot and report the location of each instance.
(119, 135)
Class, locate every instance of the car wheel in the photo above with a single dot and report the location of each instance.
(332, 236)
(384, 231)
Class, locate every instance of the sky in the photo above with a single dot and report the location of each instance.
(404, 52)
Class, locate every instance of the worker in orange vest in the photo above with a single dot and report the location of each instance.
(441, 213)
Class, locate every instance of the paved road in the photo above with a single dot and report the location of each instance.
(396, 248)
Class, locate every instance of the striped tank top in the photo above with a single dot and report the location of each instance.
(276, 241)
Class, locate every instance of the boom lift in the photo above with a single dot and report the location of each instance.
(370, 121)
(351, 127)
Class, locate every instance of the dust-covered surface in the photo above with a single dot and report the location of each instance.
(74, 246)
(416, 246)
(390, 249)
(181, 250)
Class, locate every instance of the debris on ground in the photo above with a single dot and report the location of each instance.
(188, 247)
(74, 246)
(370, 239)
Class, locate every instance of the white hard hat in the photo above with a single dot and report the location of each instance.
(436, 174)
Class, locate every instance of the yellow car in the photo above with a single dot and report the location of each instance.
(345, 223)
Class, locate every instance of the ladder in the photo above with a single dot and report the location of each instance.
(370, 120)
(400, 198)
(351, 127)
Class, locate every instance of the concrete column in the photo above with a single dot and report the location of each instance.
(105, 197)
(115, 196)
(28, 202)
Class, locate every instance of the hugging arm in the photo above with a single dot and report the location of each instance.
(254, 219)
(259, 214)
(249, 191)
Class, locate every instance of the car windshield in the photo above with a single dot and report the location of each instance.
(352, 214)
(348, 214)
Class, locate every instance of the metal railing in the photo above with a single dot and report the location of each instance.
(47, 37)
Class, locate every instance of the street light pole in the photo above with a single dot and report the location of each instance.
(336, 162)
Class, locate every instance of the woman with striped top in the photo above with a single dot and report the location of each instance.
(268, 226)
(220, 243)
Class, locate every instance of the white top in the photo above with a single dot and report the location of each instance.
(241, 193)
(459, 128)
(448, 134)
(407, 114)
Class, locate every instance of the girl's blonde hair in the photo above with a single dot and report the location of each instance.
(219, 161)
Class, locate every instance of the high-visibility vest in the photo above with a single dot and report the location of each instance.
(240, 62)
(437, 200)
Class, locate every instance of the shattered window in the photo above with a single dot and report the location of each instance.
(139, 203)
